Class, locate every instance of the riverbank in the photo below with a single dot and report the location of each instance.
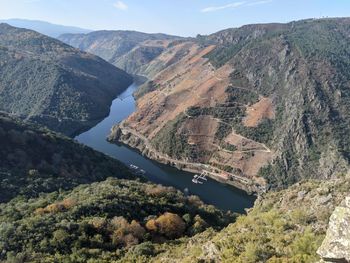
(122, 134)
(223, 196)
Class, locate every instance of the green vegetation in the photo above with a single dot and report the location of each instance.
(100, 222)
(63, 202)
(228, 146)
(220, 56)
(303, 66)
(57, 206)
(242, 96)
(284, 226)
(35, 160)
(54, 84)
(140, 56)
(262, 133)
(170, 142)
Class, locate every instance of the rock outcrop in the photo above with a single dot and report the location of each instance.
(336, 245)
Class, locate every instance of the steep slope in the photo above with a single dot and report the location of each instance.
(35, 160)
(45, 28)
(259, 106)
(44, 80)
(128, 50)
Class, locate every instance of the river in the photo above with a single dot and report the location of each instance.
(212, 192)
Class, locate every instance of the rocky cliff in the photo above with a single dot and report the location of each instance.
(336, 245)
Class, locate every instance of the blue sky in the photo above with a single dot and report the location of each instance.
(179, 17)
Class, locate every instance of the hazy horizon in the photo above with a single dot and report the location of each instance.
(183, 18)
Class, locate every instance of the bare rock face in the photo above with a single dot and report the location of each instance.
(336, 245)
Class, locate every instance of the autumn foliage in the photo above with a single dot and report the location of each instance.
(169, 224)
(66, 204)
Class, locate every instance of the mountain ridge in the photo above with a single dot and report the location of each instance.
(247, 85)
(46, 28)
(128, 50)
(55, 84)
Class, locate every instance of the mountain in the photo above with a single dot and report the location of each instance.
(47, 81)
(79, 204)
(128, 50)
(45, 28)
(261, 106)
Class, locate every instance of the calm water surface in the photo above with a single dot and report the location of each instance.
(212, 192)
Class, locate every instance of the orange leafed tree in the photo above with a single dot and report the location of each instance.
(169, 224)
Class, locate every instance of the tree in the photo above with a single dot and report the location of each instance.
(171, 225)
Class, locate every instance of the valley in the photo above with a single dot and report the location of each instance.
(213, 101)
(101, 134)
(230, 198)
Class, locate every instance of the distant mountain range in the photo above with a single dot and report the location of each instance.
(128, 50)
(46, 28)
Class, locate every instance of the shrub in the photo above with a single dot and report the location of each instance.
(146, 248)
(171, 225)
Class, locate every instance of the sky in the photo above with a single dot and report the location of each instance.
(177, 17)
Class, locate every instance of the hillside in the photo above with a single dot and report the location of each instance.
(44, 80)
(284, 226)
(49, 29)
(61, 201)
(128, 50)
(101, 222)
(263, 105)
(35, 160)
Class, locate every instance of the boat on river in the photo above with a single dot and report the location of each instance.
(133, 166)
(197, 178)
(196, 181)
(137, 169)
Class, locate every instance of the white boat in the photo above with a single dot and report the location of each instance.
(195, 181)
(197, 178)
(132, 166)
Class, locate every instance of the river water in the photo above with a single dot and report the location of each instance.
(212, 192)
